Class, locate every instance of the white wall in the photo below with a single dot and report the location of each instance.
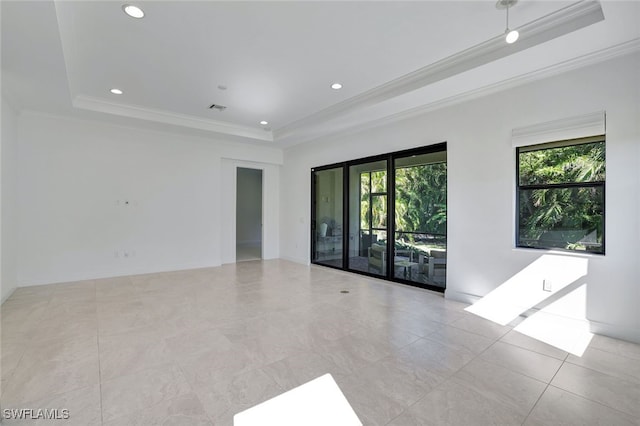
(8, 154)
(99, 200)
(249, 206)
(481, 184)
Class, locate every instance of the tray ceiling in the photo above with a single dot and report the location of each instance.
(277, 60)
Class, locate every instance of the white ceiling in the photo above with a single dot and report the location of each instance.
(278, 59)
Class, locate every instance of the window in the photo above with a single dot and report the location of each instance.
(561, 189)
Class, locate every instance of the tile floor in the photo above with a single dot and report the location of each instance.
(195, 347)
(246, 252)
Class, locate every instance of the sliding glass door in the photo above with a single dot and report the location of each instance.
(391, 210)
(327, 217)
(420, 240)
(368, 217)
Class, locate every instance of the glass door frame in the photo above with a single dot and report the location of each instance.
(391, 201)
(313, 227)
(347, 167)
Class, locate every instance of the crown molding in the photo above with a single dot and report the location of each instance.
(160, 116)
(622, 49)
(563, 21)
(575, 16)
(580, 126)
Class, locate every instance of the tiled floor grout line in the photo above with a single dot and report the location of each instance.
(566, 360)
(545, 390)
(630, 358)
(194, 391)
(423, 397)
(477, 356)
(593, 401)
(534, 351)
(537, 400)
(633, 382)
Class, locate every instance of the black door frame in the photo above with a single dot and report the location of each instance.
(391, 199)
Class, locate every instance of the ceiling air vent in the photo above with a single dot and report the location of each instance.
(218, 107)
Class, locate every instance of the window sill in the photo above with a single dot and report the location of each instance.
(574, 253)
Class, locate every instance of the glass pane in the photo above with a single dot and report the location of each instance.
(575, 163)
(379, 211)
(367, 246)
(365, 223)
(328, 217)
(379, 181)
(420, 244)
(365, 195)
(364, 184)
(566, 218)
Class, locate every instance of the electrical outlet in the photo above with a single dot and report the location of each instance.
(546, 285)
(124, 254)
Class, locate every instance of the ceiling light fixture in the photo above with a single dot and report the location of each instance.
(116, 91)
(133, 11)
(336, 86)
(511, 36)
(264, 123)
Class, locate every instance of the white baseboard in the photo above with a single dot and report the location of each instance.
(459, 296)
(8, 295)
(296, 260)
(630, 334)
(114, 274)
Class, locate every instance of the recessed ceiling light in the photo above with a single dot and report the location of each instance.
(336, 86)
(264, 123)
(133, 11)
(116, 91)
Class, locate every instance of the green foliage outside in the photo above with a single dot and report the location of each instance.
(421, 205)
(561, 216)
(377, 197)
(421, 199)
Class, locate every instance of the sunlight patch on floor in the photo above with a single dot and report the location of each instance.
(318, 402)
(562, 324)
(524, 290)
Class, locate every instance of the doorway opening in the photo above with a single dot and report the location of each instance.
(248, 214)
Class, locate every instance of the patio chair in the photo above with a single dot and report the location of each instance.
(377, 257)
